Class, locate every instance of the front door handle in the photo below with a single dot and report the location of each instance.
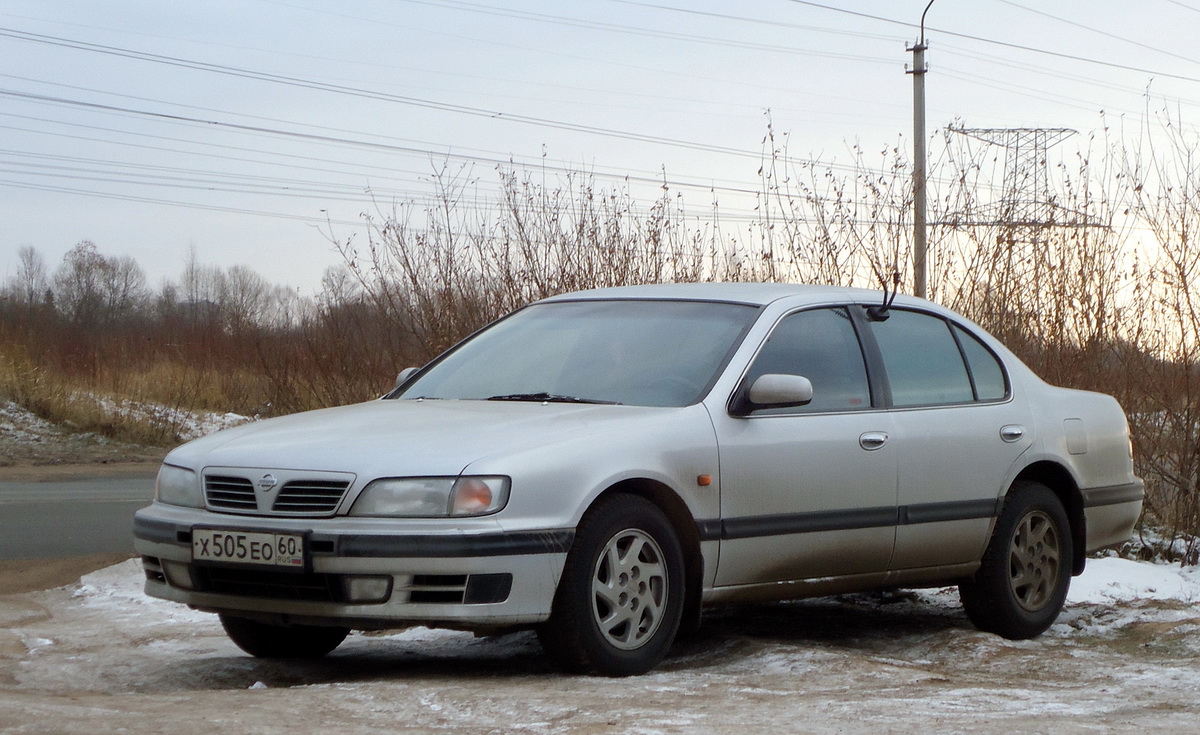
(872, 440)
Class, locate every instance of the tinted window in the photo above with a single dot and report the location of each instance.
(985, 368)
(822, 346)
(924, 365)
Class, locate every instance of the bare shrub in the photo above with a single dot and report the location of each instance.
(1103, 295)
(437, 274)
(1162, 184)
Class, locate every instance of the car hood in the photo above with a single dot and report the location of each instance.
(403, 437)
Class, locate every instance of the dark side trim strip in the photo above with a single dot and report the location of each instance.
(158, 532)
(491, 544)
(1114, 495)
(842, 520)
(554, 541)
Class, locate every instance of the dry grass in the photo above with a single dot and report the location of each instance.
(1092, 302)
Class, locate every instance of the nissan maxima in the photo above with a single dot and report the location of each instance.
(600, 466)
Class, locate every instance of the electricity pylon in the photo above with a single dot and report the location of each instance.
(1026, 207)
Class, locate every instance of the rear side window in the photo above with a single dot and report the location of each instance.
(822, 346)
(923, 361)
(986, 372)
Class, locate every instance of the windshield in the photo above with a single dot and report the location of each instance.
(643, 353)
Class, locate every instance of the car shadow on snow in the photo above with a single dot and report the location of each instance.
(877, 624)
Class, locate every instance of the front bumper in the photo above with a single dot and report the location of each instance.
(361, 573)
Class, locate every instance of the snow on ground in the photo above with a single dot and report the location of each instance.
(101, 656)
(186, 425)
(19, 425)
(28, 440)
(1110, 580)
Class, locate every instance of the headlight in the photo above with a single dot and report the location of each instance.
(432, 497)
(177, 486)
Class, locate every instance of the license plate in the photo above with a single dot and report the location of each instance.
(248, 547)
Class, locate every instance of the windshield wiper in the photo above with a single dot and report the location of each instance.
(544, 397)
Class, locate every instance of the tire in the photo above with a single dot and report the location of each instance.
(1023, 578)
(265, 640)
(619, 602)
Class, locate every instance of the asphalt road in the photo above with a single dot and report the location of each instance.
(70, 518)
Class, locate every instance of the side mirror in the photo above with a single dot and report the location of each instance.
(404, 375)
(774, 390)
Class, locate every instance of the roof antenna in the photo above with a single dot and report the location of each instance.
(880, 313)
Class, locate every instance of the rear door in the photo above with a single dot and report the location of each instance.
(956, 433)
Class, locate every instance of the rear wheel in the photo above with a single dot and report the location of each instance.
(266, 640)
(620, 600)
(1022, 581)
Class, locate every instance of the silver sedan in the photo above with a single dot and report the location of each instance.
(599, 466)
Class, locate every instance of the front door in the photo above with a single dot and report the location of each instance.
(808, 492)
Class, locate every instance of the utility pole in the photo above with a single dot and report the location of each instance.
(920, 270)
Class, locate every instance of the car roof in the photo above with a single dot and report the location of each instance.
(757, 294)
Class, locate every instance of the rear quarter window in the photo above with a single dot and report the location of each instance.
(986, 372)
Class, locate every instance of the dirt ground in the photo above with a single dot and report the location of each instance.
(98, 656)
(93, 654)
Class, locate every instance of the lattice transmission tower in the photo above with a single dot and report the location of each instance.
(1027, 205)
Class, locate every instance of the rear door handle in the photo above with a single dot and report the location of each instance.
(1012, 432)
(872, 440)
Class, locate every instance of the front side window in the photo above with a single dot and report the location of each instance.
(820, 345)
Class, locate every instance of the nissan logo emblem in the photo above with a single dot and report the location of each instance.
(267, 482)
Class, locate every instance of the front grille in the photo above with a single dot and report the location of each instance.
(310, 496)
(299, 496)
(230, 493)
(310, 587)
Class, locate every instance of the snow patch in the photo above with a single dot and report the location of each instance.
(118, 590)
(21, 425)
(186, 425)
(1108, 580)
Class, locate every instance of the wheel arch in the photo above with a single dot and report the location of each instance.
(1062, 484)
(688, 533)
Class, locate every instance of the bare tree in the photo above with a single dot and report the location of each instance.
(124, 287)
(78, 284)
(28, 287)
(243, 297)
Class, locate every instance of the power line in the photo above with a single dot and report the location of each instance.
(636, 31)
(1005, 44)
(1123, 39)
(1185, 6)
(540, 83)
(657, 180)
(758, 21)
(175, 203)
(368, 94)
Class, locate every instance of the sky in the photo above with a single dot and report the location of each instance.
(257, 132)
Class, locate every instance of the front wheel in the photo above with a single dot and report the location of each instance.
(265, 640)
(1022, 581)
(620, 599)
